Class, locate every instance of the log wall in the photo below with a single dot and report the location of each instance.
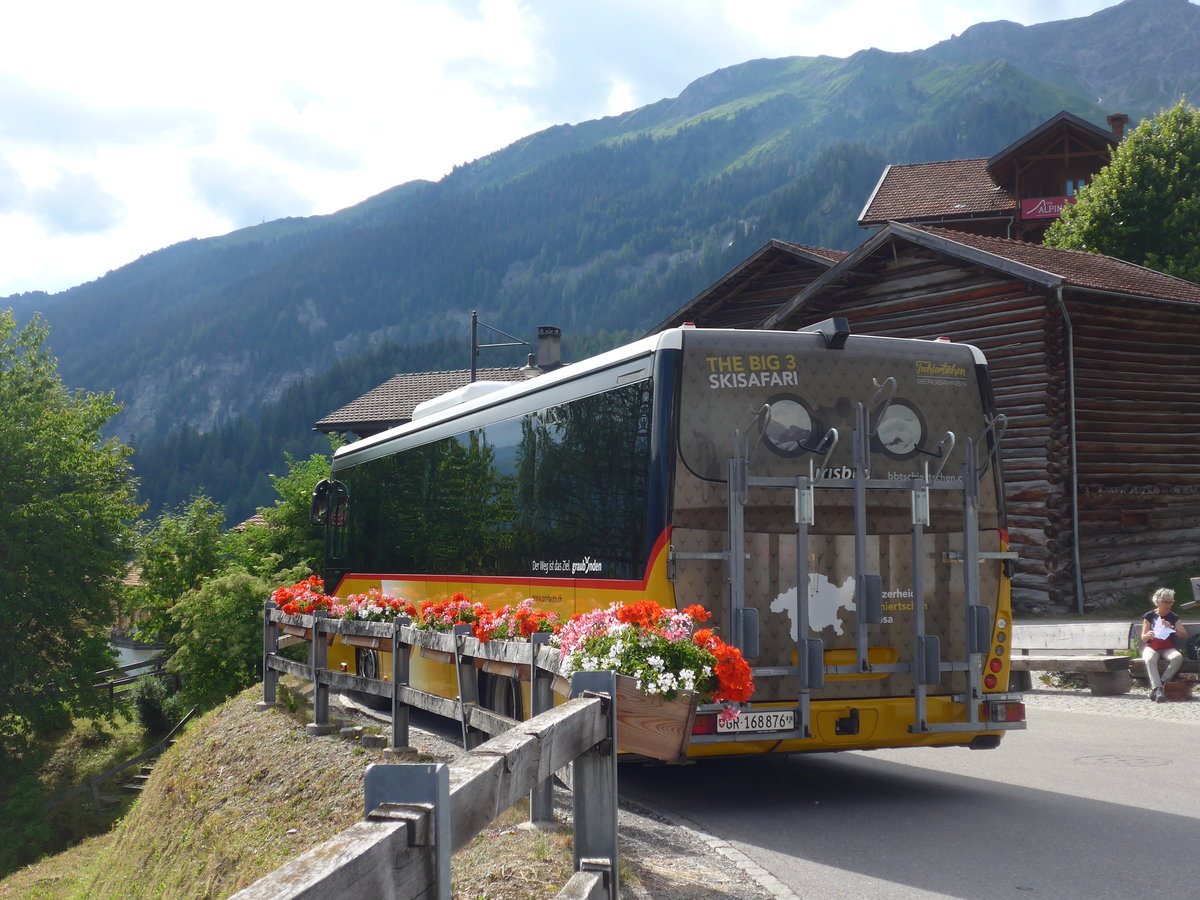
(1137, 386)
(1137, 391)
(918, 293)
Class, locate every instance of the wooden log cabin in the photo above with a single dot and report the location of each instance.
(1095, 362)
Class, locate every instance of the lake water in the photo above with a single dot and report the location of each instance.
(128, 655)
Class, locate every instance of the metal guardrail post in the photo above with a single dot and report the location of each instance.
(468, 688)
(270, 676)
(415, 787)
(400, 674)
(595, 788)
(541, 699)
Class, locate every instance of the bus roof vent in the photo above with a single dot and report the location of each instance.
(469, 391)
(835, 331)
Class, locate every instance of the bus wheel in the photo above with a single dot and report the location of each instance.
(366, 664)
(501, 695)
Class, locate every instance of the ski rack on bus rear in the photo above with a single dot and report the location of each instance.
(927, 666)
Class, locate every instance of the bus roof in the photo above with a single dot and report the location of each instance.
(668, 339)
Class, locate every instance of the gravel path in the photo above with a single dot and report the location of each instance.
(1135, 704)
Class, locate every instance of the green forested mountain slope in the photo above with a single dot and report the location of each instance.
(609, 224)
(1137, 57)
(610, 235)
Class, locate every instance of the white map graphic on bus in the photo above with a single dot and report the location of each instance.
(825, 601)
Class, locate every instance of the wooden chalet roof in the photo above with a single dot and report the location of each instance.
(1064, 135)
(1049, 267)
(741, 298)
(981, 188)
(392, 402)
(949, 190)
(1075, 268)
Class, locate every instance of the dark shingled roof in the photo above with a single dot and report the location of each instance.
(392, 402)
(1089, 271)
(954, 189)
(758, 285)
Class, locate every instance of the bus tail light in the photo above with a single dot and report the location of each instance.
(1003, 711)
(705, 723)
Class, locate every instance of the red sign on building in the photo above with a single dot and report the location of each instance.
(1044, 207)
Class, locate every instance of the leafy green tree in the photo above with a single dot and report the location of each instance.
(1144, 207)
(287, 539)
(67, 496)
(218, 635)
(175, 554)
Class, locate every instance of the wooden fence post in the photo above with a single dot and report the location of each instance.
(318, 651)
(400, 676)
(541, 699)
(594, 788)
(270, 648)
(468, 688)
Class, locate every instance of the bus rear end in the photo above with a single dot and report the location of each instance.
(856, 480)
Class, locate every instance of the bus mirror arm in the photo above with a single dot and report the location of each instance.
(319, 510)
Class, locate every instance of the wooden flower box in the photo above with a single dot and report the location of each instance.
(367, 642)
(520, 671)
(650, 725)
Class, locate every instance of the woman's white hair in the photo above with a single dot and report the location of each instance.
(1163, 594)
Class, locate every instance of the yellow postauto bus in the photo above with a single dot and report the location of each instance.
(835, 500)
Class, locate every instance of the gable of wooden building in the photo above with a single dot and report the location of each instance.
(1094, 362)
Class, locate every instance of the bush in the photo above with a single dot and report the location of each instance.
(150, 705)
(23, 829)
(219, 636)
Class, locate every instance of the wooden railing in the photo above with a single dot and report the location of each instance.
(121, 679)
(416, 815)
(92, 785)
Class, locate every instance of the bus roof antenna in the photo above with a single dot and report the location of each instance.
(835, 331)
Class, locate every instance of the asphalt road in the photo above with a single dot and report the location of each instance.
(1099, 798)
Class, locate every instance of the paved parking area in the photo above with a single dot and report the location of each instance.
(1135, 704)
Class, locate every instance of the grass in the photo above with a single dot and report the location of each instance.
(241, 793)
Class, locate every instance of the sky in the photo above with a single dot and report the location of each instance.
(128, 126)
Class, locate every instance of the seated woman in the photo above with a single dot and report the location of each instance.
(1159, 628)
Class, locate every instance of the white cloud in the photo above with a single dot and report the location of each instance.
(245, 195)
(134, 124)
(75, 204)
(12, 188)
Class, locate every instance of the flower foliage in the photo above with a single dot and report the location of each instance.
(303, 597)
(443, 615)
(516, 623)
(660, 648)
(373, 606)
(508, 623)
(307, 596)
